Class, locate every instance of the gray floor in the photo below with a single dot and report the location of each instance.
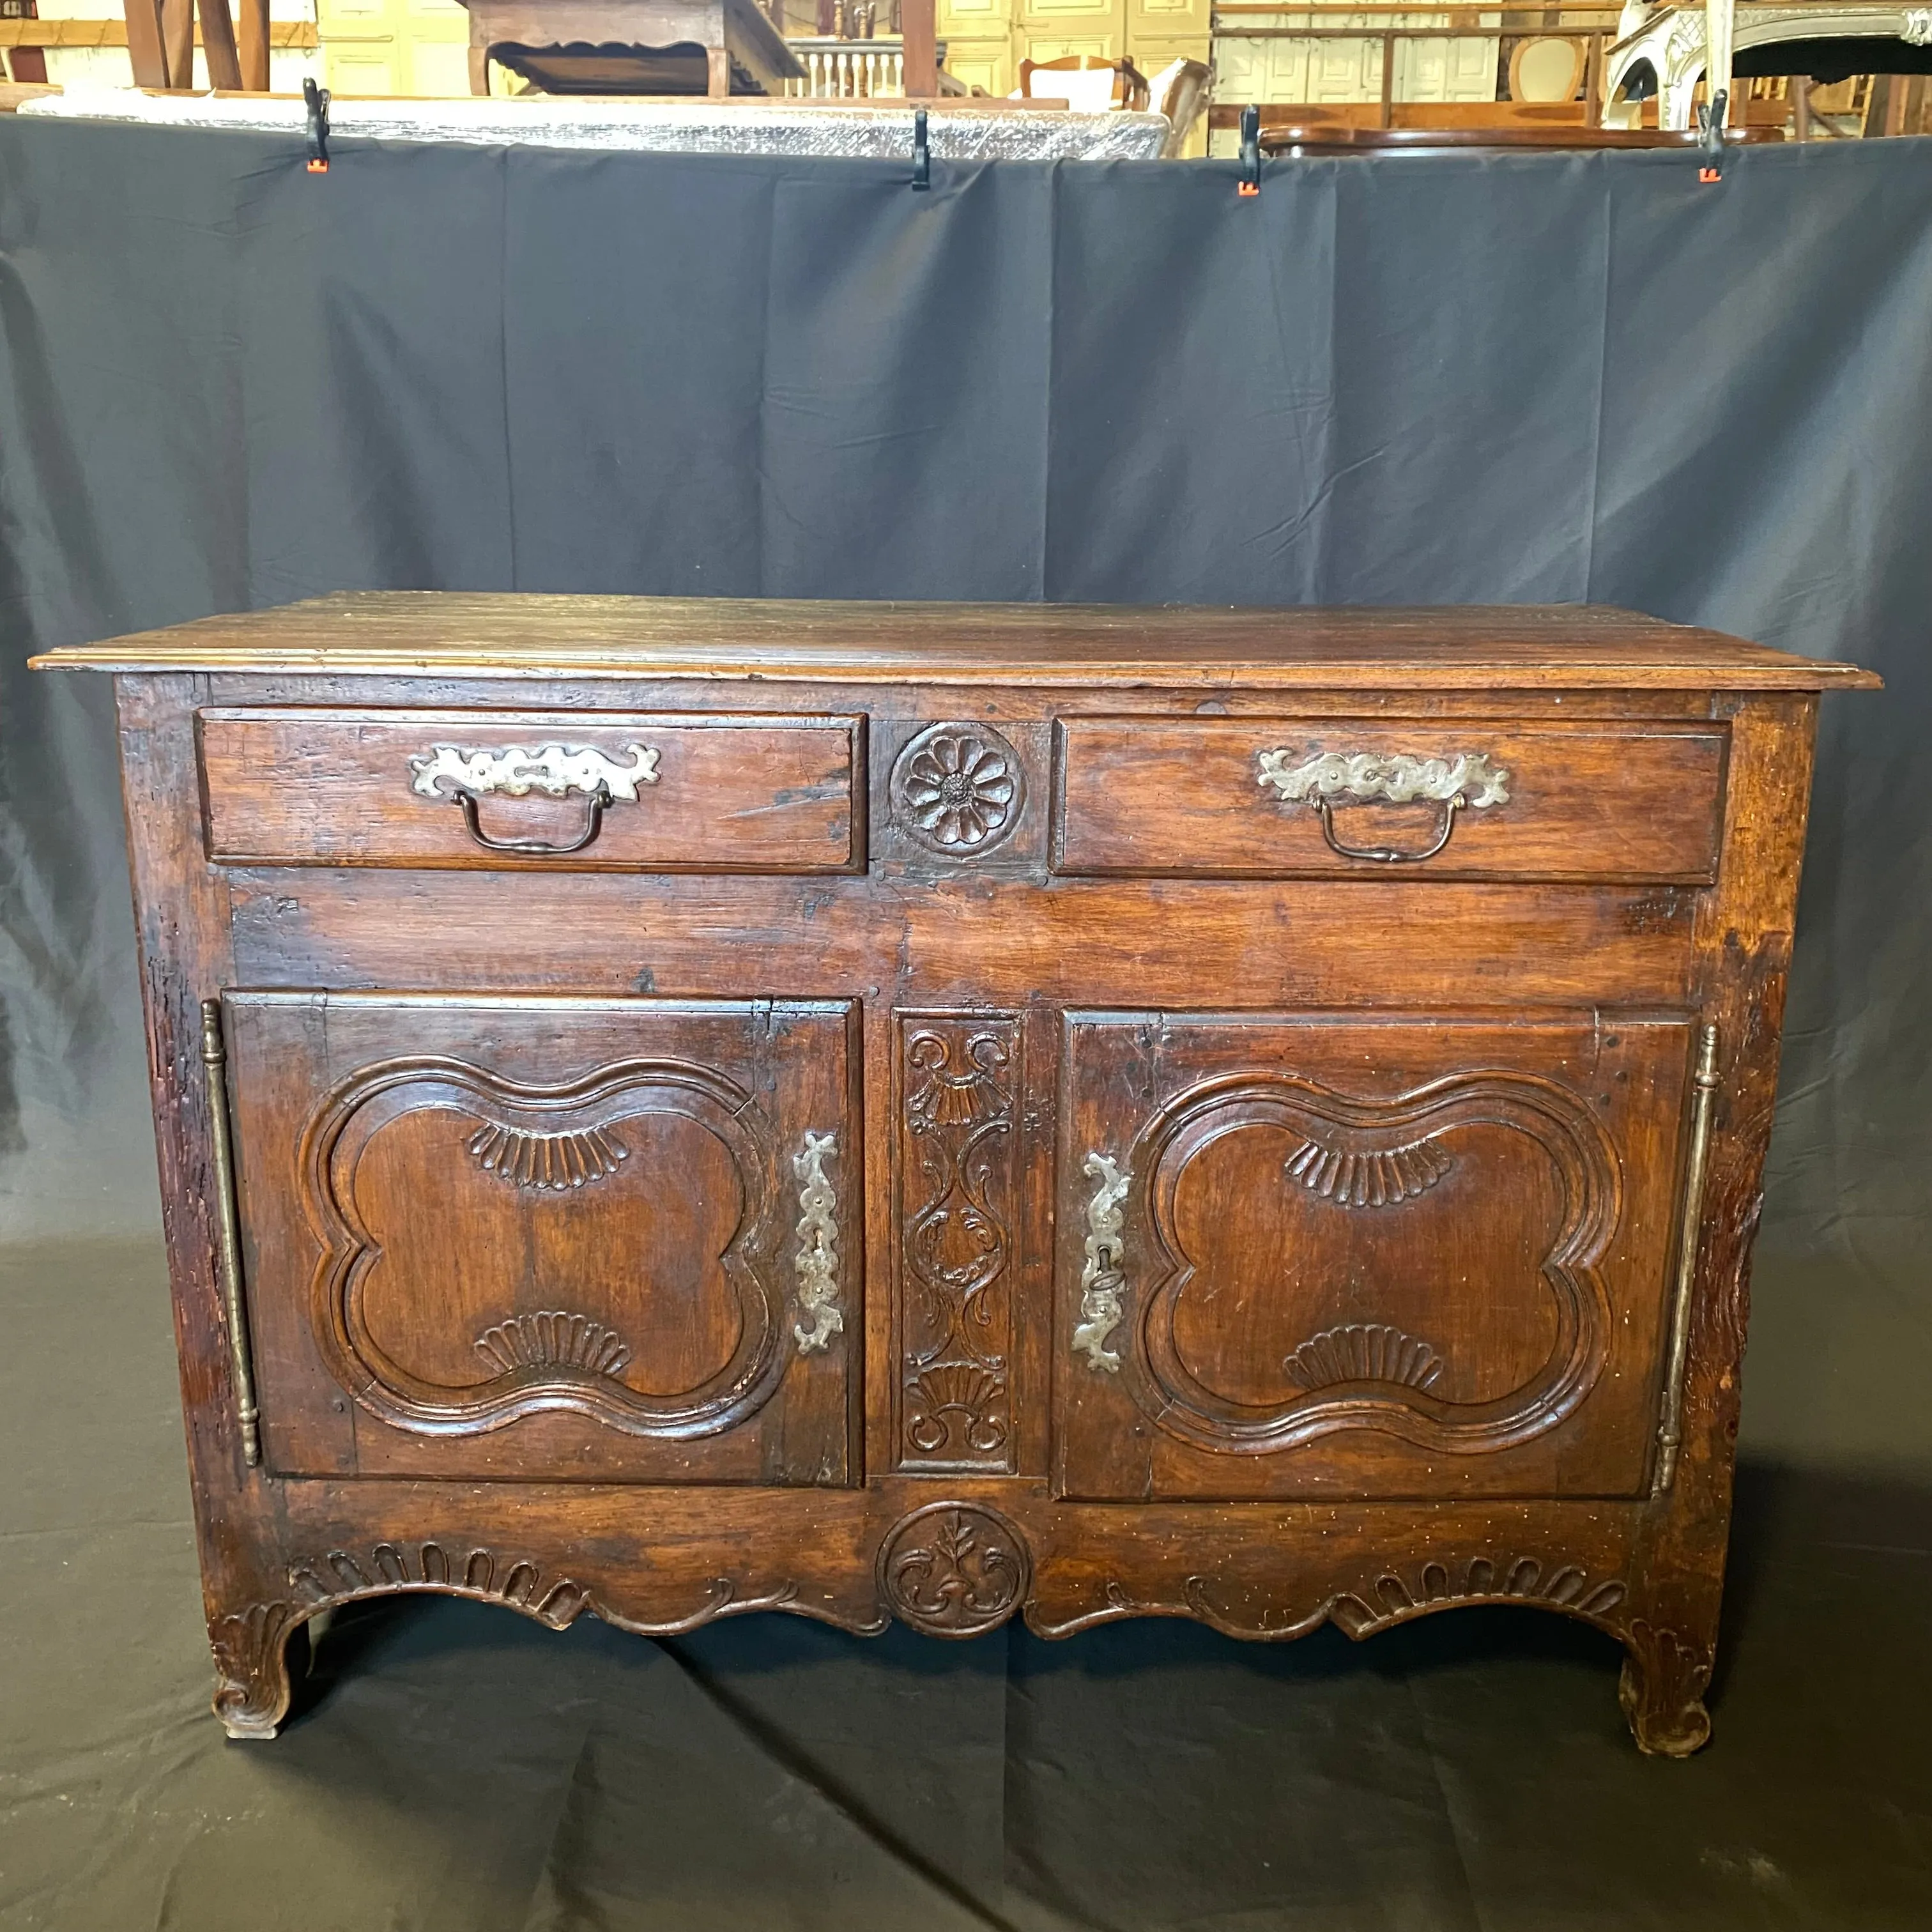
(455, 1767)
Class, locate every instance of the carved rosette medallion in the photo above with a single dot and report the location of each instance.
(954, 1569)
(957, 1169)
(958, 790)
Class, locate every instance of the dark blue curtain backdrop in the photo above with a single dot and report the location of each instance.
(227, 383)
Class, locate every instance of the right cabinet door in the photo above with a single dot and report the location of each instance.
(1333, 1256)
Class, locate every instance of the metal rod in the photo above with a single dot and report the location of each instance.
(215, 1064)
(1670, 1432)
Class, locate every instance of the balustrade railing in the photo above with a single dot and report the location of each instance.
(838, 70)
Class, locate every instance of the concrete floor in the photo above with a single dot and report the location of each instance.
(452, 1767)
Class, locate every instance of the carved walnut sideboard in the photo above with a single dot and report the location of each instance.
(671, 1109)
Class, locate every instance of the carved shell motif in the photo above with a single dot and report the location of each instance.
(558, 1161)
(553, 1339)
(1368, 1180)
(1362, 1352)
(964, 1391)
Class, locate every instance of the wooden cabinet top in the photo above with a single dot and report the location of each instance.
(1567, 647)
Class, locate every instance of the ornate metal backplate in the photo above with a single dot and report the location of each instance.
(1389, 778)
(1102, 1280)
(516, 770)
(816, 1260)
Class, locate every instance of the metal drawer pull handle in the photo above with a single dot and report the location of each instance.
(1389, 855)
(516, 770)
(535, 848)
(1325, 779)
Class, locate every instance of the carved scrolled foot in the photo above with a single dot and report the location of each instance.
(251, 1660)
(1662, 1690)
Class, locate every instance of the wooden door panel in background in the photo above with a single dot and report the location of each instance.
(1351, 1256)
(548, 1237)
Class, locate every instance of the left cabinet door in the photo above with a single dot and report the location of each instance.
(549, 1239)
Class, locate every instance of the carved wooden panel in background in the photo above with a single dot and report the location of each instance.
(957, 1162)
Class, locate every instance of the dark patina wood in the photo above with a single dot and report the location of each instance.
(939, 1074)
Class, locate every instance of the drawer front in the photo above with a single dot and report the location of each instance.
(547, 1239)
(1286, 797)
(585, 790)
(1334, 1257)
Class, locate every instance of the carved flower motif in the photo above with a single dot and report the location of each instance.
(958, 789)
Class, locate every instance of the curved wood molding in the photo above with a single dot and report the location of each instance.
(530, 1376)
(1394, 1392)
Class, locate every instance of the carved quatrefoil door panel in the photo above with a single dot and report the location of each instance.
(1334, 1257)
(595, 1239)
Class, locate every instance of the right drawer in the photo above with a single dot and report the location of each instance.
(1282, 798)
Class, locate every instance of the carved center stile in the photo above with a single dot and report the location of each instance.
(956, 1237)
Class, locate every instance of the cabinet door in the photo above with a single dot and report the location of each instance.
(549, 1238)
(1339, 1256)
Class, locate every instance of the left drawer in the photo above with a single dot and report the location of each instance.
(598, 790)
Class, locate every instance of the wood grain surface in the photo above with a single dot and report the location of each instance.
(430, 633)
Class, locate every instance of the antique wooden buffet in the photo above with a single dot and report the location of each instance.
(669, 1109)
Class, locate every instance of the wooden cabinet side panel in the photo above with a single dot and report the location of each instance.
(1745, 931)
(181, 912)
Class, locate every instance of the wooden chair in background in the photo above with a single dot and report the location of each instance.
(1547, 67)
(160, 44)
(1079, 77)
(1180, 91)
